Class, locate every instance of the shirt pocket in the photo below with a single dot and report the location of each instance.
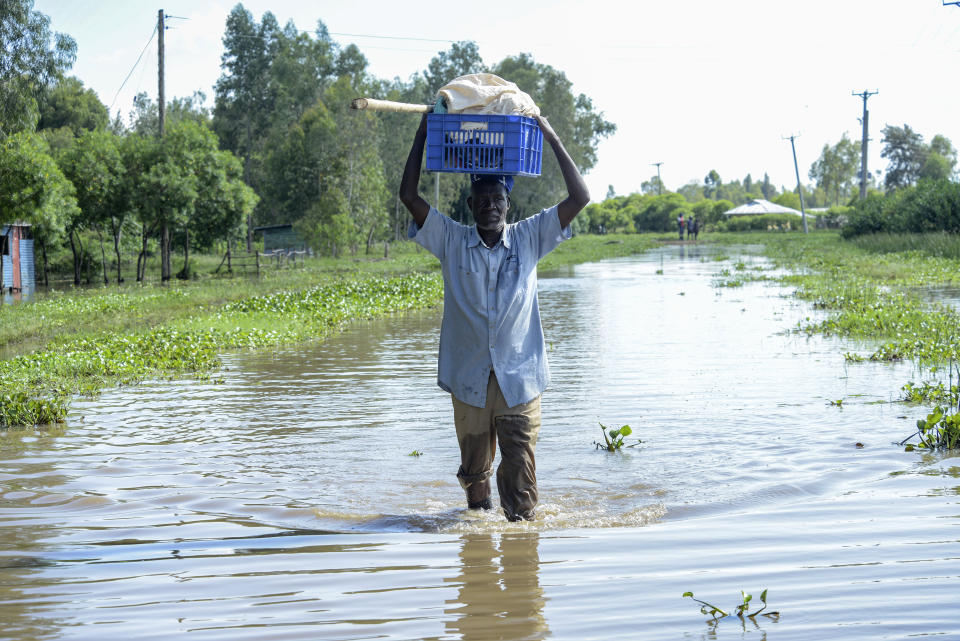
(510, 279)
(472, 285)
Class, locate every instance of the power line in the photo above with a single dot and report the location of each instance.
(365, 35)
(133, 68)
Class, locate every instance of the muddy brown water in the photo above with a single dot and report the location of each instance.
(282, 503)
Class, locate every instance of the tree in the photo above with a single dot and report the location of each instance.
(33, 189)
(33, 58)
(835, 171)
(362, 183)
(653, 186)
(574, 118)
(95, 167)
(767, 188)
(712, 185)
(463, 58)
(270, 78)
(905, 150)
(145, 116)
(306, 173)
(69, 105)
(788, 199)
(940, 161)
(223, 202)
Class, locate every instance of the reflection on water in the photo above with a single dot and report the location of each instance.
(283, 503)
(499, 595)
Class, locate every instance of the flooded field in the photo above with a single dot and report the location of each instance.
(280, 500)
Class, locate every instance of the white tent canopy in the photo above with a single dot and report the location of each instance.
(760, 206)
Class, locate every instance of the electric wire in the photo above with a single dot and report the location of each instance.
(140, 57)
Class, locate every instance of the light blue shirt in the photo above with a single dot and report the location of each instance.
(491, 319)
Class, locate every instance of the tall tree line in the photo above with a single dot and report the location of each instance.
(282, 107)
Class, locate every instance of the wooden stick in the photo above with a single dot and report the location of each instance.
(388, 105)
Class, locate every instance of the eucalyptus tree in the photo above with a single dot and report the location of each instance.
(835, 171)
(573, 117)
(34, 57)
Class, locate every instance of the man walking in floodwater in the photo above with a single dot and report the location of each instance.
(493, 358)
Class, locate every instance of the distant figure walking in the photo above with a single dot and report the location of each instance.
(681, 223)
(693, 228)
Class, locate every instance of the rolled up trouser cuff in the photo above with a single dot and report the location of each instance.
(466, 480)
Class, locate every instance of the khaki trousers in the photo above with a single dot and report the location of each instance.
(516, 428)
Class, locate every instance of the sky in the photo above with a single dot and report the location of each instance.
(692, 84)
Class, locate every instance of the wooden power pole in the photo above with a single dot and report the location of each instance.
(659, 182)
(796, 169)
(863, 145)
(162, 101)
(161, 96)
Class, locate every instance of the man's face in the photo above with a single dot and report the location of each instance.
(489, 204)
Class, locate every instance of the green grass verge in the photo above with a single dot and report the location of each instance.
(37, 387)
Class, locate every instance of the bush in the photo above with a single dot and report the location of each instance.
(763, 222)
(931, 206)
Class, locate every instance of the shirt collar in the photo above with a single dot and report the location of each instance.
(475, 239)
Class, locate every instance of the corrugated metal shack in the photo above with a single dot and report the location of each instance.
(16, 252)
(281, 238)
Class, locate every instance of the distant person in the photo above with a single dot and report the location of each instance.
(681, 223)
(693, 228)
(493, 357)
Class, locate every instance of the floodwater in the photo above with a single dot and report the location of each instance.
(280, 500)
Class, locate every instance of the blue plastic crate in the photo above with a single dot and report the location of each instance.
(484, 144)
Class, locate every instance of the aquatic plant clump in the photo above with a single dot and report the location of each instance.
(35, 388)
(613, 437)
(741, 610)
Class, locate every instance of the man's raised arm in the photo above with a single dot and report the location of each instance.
(417, 206)
(577, 193)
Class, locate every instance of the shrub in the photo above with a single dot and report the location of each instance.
(763, 222)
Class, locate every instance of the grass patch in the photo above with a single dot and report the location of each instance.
(589, 248)
(939, 244)
(37, 387)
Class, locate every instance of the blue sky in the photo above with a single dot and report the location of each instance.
(694, 84)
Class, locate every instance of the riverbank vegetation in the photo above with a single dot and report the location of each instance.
(888, 299)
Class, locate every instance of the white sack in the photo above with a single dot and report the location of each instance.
(485, 93)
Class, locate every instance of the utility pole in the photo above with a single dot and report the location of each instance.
(659, 182)
(803, 211)
(866, 139)
(162, 98)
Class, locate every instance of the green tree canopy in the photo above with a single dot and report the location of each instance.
(835, 171)
(68, 104)
(33, 59)
(905, 150)
(573, 117)
(33, 189)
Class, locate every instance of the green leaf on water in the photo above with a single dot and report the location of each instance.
(689, 594)
(625, 430)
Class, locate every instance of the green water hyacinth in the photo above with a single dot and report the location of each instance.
(36, 388)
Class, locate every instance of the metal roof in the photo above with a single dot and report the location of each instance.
(760, 206)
